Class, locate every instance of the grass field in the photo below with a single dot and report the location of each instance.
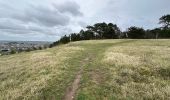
(94, 70)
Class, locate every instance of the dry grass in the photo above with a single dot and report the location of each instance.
(95, 42)
(25, 75)
(121, 59)
(116, 70)
(140, 71)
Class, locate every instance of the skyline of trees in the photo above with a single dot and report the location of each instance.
(112, 31)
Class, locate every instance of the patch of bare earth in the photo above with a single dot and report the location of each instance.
(71, 90)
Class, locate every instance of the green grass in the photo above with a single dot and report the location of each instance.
(116, 70)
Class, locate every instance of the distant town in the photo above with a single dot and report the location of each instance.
(12, 47)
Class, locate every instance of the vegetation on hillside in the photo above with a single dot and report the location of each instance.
(112, 31)
(111, 69)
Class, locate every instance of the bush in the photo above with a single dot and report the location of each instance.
(13, 51)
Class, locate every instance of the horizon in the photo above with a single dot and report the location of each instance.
(24, 41)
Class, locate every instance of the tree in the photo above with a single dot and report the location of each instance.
(13, 51)
(153, 34)
(40, 47)
(100, 28)
(165, 33)
(113, 31)
(136, 33)
(65, 39)
(88, 35)
(165, 20)
(82, 36)
(104, 30)
(75, 37)
(156, 32)
(55, 43)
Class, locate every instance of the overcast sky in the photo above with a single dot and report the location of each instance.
(48, 20)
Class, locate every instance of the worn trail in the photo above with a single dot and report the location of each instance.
(71, 90)
(93, 52)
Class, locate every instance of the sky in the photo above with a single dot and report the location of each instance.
(48, 20)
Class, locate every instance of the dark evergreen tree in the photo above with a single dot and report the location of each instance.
(136, 33)
(75, 37)
(65, 39)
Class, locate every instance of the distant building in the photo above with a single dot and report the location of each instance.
(7, 47)
(5, 51)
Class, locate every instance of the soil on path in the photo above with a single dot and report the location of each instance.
(71, 90)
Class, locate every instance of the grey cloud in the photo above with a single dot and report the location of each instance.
(82, 24)
(10, 24)
(125, 13)
(15, 27)
(69, 7)
(29, 31)
(43, 16)
(34, 19)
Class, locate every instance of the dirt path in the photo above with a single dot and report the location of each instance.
(71, 90)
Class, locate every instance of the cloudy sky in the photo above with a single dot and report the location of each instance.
(48, 20)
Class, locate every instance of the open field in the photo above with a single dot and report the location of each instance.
(89, 70)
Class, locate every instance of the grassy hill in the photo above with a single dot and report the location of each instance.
(89, 70)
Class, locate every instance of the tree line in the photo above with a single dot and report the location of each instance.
(112, 31)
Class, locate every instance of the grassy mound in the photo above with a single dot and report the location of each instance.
(116, 69)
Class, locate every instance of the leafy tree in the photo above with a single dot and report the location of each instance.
(55, 43)
(156, 33)
(105, 31)
(40, 47)
(165, 20)
(65, 39)
(82, 36)
(13, 51)
(100, 28)
(113, 31)
(136, 33)
(165, 33)
(75, 37)
(88, 35)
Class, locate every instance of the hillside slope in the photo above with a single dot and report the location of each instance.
(89, 70)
